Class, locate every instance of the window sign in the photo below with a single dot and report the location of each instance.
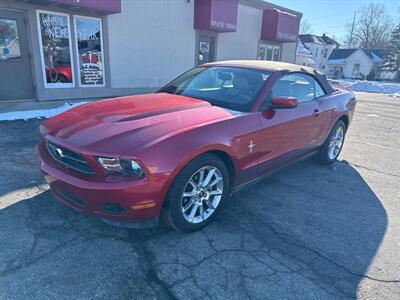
(89, 51)
(9, 40)
(55, 48)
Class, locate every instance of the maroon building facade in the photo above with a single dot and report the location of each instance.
(75, 49)
(279, 26)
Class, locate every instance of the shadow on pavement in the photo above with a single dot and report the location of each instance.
(309, 232)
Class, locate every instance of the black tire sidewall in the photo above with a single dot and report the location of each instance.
(175, 216)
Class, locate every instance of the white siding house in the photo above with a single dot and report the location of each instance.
(320, 47)
(304, 57)
(354, 63)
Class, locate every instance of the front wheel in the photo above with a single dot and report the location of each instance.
(332, 147)
(197, 193)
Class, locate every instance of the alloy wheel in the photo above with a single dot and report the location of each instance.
(336, 142)
(202, 194)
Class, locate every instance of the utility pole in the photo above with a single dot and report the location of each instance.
(352, 29)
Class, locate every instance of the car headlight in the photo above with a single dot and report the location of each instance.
(122, 166)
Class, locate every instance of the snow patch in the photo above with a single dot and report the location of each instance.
(376, 58)
(302, 50)
(38, 113)
(392, 89)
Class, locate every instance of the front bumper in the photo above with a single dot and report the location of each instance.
(120, 202)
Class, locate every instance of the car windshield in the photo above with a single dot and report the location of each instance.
(228, 87)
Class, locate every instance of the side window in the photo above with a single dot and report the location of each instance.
(297, 85)
(319, 92)
(9, 46)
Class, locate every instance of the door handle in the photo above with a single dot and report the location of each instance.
(316, 112)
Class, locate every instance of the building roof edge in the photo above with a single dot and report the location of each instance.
(260, 4)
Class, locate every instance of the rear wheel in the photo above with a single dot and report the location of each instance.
(332, 147)
(197, 193)
(61, 79)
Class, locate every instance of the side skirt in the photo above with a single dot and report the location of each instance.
(266, 175)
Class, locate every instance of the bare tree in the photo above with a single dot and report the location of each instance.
(305, 27)
(372, 27)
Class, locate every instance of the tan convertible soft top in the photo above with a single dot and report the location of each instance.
(275, 66)
(264, 65)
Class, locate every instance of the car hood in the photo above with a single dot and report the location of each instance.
(117, 126)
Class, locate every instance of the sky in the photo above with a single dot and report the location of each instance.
(331, 16)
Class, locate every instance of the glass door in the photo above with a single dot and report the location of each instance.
(15, 66)
(269, 52)
(206, 49)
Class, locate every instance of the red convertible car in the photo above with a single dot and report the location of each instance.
(183, 150)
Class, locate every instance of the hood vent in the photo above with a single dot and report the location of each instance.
(163, 111)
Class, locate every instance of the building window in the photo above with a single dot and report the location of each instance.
(55, 49)
(89, 51)
(356, 69)
(337, 71)
(316, 53)
(269, 52)
(205, 49)
(325, 53)
(9, 40)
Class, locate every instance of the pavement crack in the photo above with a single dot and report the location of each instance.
(38, 258)
(373, 170)
(147, 260)
(283, 237)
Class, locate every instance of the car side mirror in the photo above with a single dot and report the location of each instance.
(283, 103)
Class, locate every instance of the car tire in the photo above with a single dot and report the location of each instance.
(332, 147)
(205, 200)
(61, 79)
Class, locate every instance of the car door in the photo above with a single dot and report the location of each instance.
(289, 134)
(326, 104)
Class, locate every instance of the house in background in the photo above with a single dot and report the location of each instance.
(320, 47)
(355, 63)
(304, 57)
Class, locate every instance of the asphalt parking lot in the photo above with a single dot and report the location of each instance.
(309, 232)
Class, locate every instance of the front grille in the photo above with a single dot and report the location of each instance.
(69, 158)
